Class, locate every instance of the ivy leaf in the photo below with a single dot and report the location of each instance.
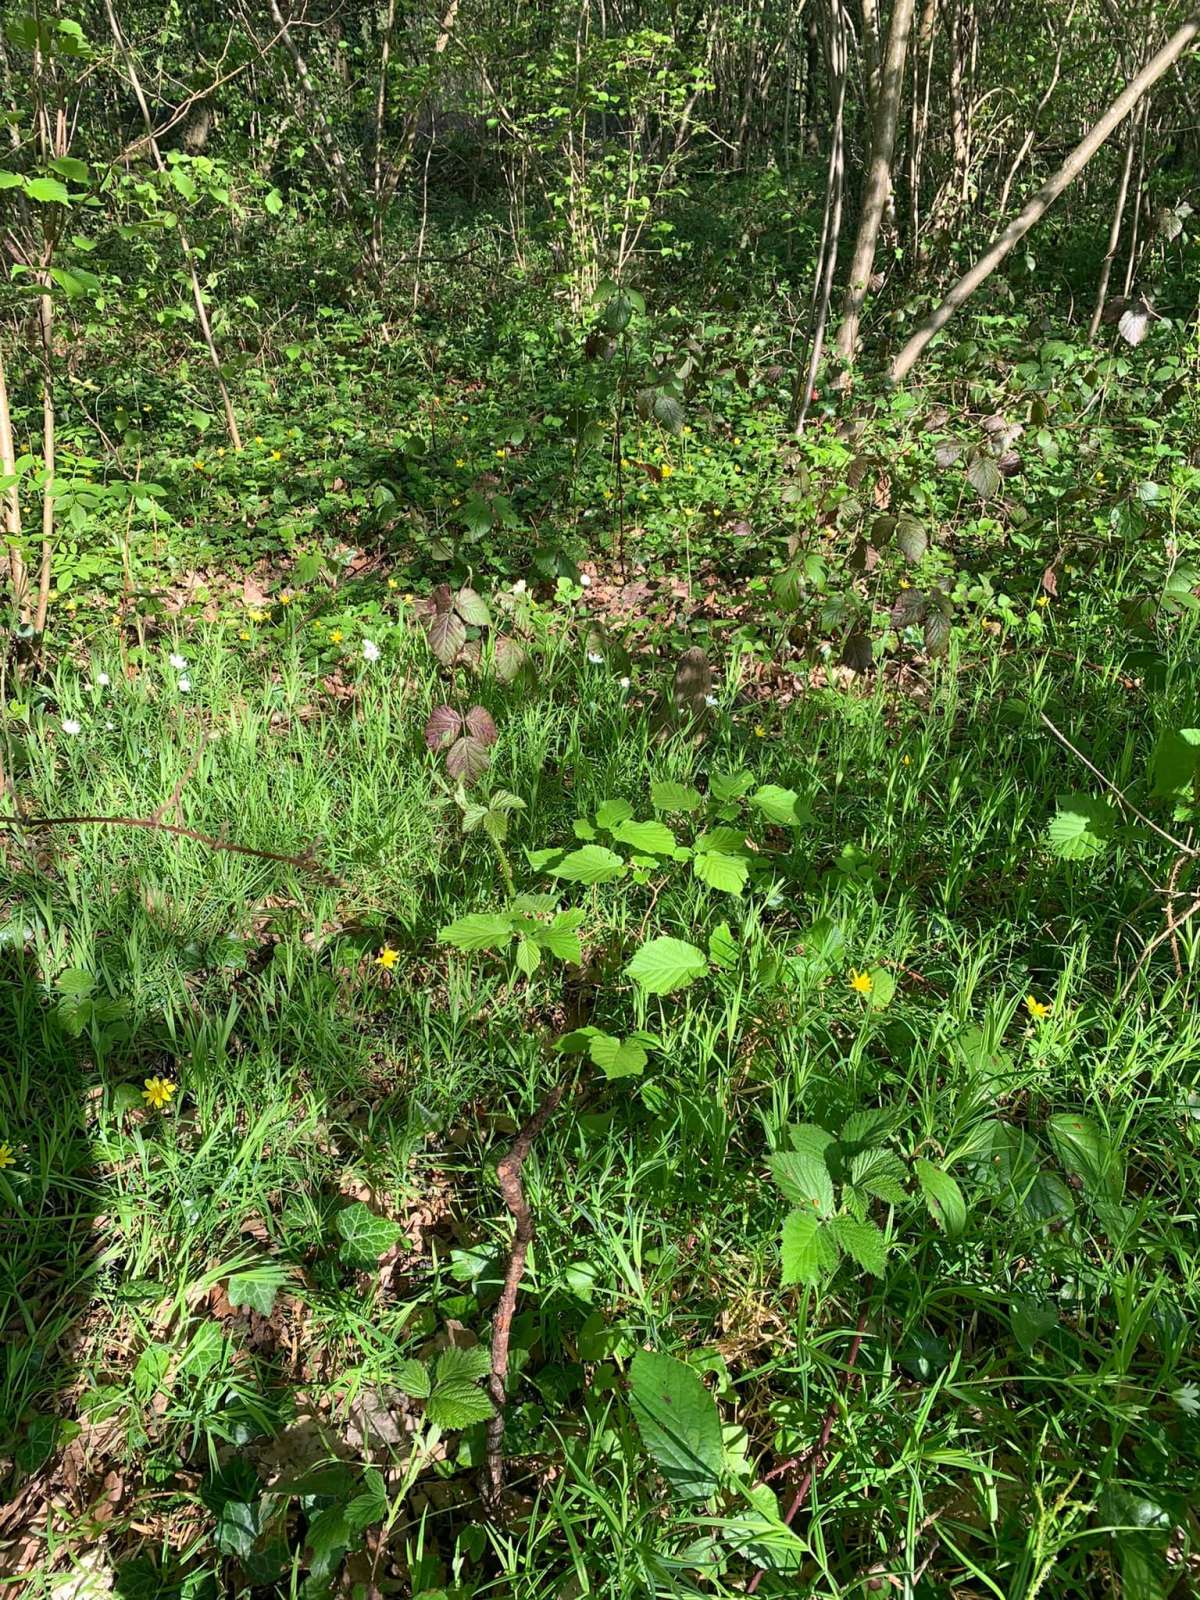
(861, 1240)
(943, 1197)
(807, 1250)
(365, 1236)
(678, 1420)
(233, 1495)
(482, 930)
(1082, 827)
(594, 863)
(665, 964)
(257, 1289)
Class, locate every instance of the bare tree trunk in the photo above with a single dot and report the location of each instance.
(802, 388)
(46, 335)
(18, 577)
(1138, 194)
(879, 176)
(135, 83)
(1182, 39)
(385, 52)
(334, 159)
(870, 51)
(1114, 237)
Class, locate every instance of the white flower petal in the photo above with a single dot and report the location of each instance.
(176, 661)
(69, 725)
(370, 650)
(183, 685)
(103, 679)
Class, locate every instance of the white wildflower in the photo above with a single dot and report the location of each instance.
(69, 725)
(624, 682)
(176, 661)
(370, 650)
(584, 580)
(183, 685)
(103, 679)
(710, 699)
(595, 657)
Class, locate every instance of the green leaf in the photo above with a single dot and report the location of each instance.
(803, 1179)
(611, 812)
(1176, 764)
(911, 538)
(881, 1173)
(472, 608)
(75, 980)
(723, 947)
(1082, 827)
(1086, 1151)
(669, 796)
(778, 805)
(728, 786)
(861, 1240)
(256, 1289)
(365, 1236)
(482, 930)
(561, 938)
(465, 1365)
(618, 1058)
(529, 957)
(809, 1140)
(233, 1495)
(984, 477)
(48, 191)
(666, 964)
(594, 863)
(808, 1252)
(413, 1377)
(727, 873)
(678, 1420)
(883, 988)
(458, 1403)
(943, 1197)
(653, 837)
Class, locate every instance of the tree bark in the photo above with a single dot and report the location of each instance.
(18, 577)
(879, 176)
(1114, 237)
(1182, 39)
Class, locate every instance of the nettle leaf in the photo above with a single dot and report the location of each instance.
(443, 725)
(781, 806)
(593, 863)
(618, 1058)
(654, 837)
(467, 759)
(679, 1423)
(1082, 827)
(666, 964)
(669, 796)
(861, 1240)
(730, 874)
(447, 635)
(481, 930)
(804, 1179)
(257, 1288)
(472, 608)
(943, 1197)
(808, 1253)
(365, 1236)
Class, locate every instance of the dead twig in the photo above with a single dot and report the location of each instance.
(508, 1174)
(303, 863)
(1122, 799)
(816, 1456)
(172, 803)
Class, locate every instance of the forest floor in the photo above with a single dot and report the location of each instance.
(830, 915)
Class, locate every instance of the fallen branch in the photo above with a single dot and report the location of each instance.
(508, 1174)
(816, 1456)
(306, 862)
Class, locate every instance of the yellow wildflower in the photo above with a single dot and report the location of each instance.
(258, 438)
(861, 982)
(243, 634)
(199, 465)
(392, 584)
(276, 455)
(387, 958)
(904, 583)
(286, 599)
(158, 1092)
(1043, 599)
(500, 454)
(7, 1159)
(759, 731)
(1037, 1009)
(460, 462)
(336, 636)
(667, 470)
(220, 449)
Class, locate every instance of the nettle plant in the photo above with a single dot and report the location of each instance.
(832, 1180)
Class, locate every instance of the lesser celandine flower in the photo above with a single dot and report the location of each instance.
(387, 958)
(1039, 1010)
(157, 1093)
(336, 636)
(861, 982)
(7, 1159)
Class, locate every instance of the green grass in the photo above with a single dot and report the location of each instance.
(1023, 1389)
